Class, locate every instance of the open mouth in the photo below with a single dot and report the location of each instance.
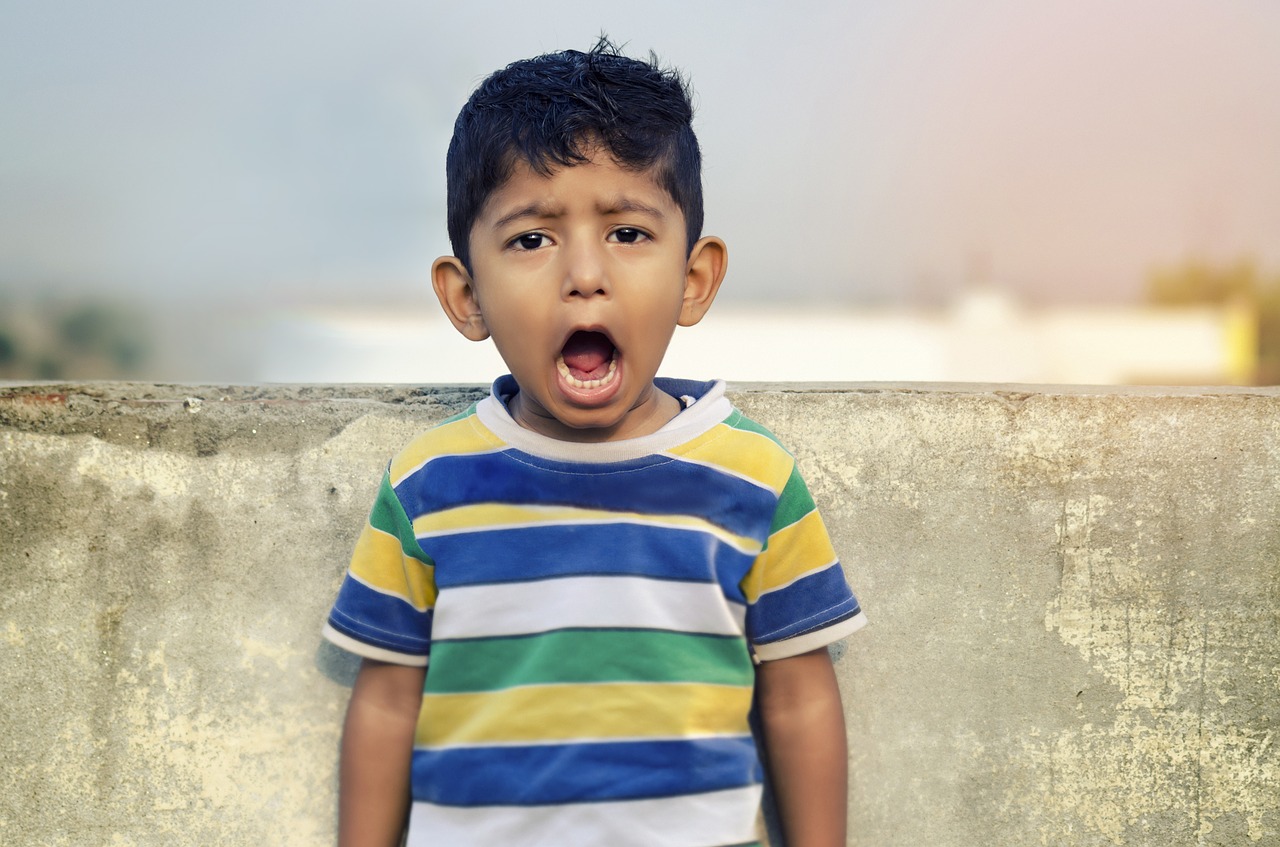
(588, 360)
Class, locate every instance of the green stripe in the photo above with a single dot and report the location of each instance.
(388, 512)
(389, 516)
(587, 656)
(794, 504)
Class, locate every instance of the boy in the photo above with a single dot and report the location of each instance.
(591, 557)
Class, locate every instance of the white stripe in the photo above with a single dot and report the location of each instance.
(629, 602)
(717, 817)
(369, 651)
(556, 742)
(810, 640)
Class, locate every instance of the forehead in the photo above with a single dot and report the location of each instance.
(599, 183)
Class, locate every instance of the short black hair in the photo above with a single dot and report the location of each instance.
(551, 111)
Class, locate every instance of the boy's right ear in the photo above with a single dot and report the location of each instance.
(457, 295)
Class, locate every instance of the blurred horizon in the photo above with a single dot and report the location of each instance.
(253, 158)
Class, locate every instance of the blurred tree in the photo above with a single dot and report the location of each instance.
(1269, 334)
(8, 349)
(52, 339)
(47, 367)
(99, 331)
(1238, 284)
(1199, 283)
(11, 352)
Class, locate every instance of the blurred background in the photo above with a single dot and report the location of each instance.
(1066, 191)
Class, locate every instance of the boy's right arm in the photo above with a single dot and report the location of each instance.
(377, 748)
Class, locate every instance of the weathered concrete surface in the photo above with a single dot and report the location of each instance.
(1075, 599)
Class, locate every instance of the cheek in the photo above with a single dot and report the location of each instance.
(509, 307)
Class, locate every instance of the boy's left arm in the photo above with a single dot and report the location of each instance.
(804, 733)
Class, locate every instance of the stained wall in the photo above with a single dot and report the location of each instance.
(1074, 597)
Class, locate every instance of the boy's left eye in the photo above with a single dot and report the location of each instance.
(627, 235)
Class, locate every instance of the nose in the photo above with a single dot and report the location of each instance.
(586, 270)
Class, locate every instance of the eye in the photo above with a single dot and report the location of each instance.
(530, 241)
(628, 235)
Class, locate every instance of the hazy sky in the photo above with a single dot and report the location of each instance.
(856, 151)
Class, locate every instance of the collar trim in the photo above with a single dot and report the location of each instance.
(709, 407)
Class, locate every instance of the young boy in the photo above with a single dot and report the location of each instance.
(604, 567)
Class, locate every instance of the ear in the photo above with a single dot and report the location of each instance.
(703, 274)
(457, 295)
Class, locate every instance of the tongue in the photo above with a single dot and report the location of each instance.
(588, 355)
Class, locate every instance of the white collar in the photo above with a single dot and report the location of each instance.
(708, 408)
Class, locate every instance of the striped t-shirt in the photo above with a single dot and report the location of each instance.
(590, 614)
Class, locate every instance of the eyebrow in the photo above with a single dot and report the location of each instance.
(548, 210)
(624, 204)
(533, 210)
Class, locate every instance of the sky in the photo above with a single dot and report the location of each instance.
(281, 151)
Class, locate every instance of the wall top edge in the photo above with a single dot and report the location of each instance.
(51, 391)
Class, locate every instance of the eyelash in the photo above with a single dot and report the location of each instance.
(517, 243)
(641, 235)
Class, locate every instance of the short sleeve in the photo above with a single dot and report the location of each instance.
(797, 596)
(385, 605)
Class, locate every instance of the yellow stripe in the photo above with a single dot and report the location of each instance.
(379, 562)
(505, 516)
(747, 454)
(451, 439)
(550, 713)
(792, 552)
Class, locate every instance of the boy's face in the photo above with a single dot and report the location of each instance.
(581, 278)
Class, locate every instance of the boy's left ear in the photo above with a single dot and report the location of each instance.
(708, 261)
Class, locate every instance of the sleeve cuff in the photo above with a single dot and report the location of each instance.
(811, 640)
(368, 651)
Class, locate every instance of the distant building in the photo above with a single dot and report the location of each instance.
(984, 337)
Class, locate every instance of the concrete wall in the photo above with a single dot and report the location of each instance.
(1075, 599)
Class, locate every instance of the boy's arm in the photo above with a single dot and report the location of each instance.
(804, 734)
(377, 747)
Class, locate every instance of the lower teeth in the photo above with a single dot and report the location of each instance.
(586, 383)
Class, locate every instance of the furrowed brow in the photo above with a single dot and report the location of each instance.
(625, 204)
(533, 210)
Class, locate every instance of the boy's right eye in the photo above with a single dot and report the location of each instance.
(529, 241)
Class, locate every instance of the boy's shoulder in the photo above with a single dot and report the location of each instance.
(457, 435)
(749, 434)
(744, 447)
(755, 435)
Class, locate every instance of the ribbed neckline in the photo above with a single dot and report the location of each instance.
(709, 408)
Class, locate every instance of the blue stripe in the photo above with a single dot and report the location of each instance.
(655, 485)
(380, 619)
(543, 552)
(548, 774)
(816, 601)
